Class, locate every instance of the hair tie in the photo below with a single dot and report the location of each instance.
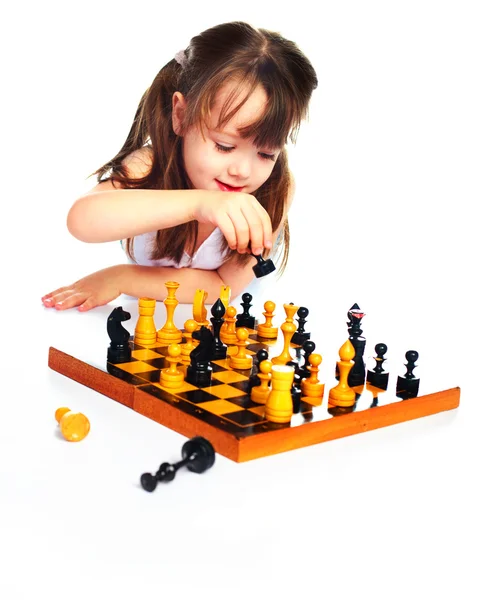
(181, 58)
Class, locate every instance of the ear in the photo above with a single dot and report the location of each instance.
(178, 111)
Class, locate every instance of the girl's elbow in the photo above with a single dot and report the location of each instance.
(76, 226)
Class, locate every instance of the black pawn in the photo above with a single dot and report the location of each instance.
(408, 386)
(263, 267)
(198, 455)
(217, 320)
(254, 378)
(378, 377)
(296, 387)
(308, 348)
(300, 336)
(119, 350)
(245, 319)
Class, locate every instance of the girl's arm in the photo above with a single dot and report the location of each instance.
(140, 281)
(108, 213)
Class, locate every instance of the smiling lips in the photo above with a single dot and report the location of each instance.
(228, 188)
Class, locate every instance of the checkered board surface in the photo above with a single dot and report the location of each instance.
(225, 404)
(223, 411)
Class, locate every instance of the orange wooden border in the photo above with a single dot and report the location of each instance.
(261, 444)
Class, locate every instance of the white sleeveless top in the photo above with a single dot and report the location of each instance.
(208, 256)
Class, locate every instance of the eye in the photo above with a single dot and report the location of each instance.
(267, 156)
(221, 148)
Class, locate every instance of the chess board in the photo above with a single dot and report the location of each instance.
(224, 413)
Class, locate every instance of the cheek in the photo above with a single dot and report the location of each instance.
(198, 157)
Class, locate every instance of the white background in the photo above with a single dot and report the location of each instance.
(385, 171)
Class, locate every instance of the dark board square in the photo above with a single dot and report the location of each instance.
(197, 396)
(243, 417)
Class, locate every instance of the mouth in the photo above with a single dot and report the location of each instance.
(228, 188)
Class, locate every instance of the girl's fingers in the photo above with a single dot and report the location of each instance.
(70, 301)
(255, 225)
(242, 231)
(88, 304)
(226, 226)
(57, 297)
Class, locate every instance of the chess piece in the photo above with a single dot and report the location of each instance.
(171, 377)
(245, 319)
(378, 377)
(169, 333)
(145, 331)
(119, 350)
(267, 330)
(73, 426)
(254, 378)
(189, 327)
(263, 267)
(217, 320)
(300, 336)
(408, 386)
(296, 387)
(227, 333)
(357, 373)
(279, 404)
(311, 387)
(342, 395)
(288, 328)
(198, 455)
(259, 393)
(241, 360)
(199, 371)
(308, 348)
(199, 311)
(225, 293)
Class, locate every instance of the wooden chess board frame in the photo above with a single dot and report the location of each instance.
(241, 433)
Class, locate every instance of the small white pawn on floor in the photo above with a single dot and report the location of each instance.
(172, 377)
(241, 360)
(311, 388)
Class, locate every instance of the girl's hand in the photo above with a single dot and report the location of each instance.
(94, 290)
(241, 218)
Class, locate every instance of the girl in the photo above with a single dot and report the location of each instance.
(202, 178)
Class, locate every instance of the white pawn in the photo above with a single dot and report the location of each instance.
(172, 377)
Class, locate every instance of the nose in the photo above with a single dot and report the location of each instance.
(239, 166)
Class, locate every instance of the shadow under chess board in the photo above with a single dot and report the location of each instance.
(223, 411)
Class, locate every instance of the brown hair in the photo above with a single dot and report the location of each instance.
(251, 57)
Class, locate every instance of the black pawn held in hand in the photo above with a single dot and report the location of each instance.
(378, 377)
(119, 350)
(198, 455)
(263, 267)
(408, 386)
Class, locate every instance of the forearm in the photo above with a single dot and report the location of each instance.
(118, 214)
(149, 282)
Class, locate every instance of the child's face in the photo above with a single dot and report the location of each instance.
(223, 160)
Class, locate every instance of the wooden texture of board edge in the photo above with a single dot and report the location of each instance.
(91, 377)
(262, 444)
(266, 444)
